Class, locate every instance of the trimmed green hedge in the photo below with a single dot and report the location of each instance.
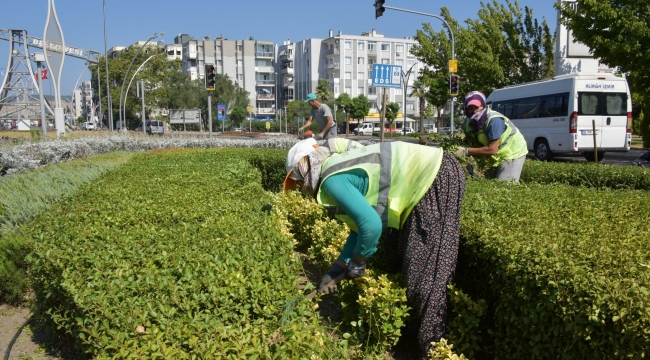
(586, 174)
(172, 256)
(24, 196)
(565, 270)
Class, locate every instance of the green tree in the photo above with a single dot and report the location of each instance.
(237, 115)
(322, 90)
(360, 107)
(392, 109)
(344, 103)
(420, 91)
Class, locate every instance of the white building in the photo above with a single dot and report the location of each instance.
(285, 68)
(82, 101)
(345, 61)
(248, 63)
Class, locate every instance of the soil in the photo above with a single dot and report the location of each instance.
(29, 344)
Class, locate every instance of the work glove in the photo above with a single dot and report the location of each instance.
(332, 274)
(355, 269)
(318, 137)
(461, 151)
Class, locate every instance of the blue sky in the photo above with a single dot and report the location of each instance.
(128, 21)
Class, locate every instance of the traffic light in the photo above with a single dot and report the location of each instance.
(209, 77)
(453, 85)
(379, 8)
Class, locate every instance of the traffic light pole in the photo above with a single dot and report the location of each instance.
(453, 54)
(210, 112)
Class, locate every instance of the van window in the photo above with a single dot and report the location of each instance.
(534, 107)
(526, 108)
(603, 104)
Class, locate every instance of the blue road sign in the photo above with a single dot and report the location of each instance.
(221, 112)
(386, 75)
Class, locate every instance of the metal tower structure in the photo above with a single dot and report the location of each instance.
(19, 94)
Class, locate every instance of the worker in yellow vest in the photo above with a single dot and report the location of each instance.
(415, 189)
(494, 137)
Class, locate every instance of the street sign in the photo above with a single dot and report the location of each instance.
(250, 108)
(386, 75)
(453, 66)
(268, 125)
(221, 112)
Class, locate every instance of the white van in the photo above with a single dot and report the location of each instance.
(555, 116)
(367, 128)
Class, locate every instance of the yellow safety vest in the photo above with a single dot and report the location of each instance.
(512, 144)
(399, 174)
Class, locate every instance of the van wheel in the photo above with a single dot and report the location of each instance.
(589, 155)
(542, 150)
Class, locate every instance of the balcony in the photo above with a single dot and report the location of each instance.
(285, 58)
(265, 111)
(268, 54)
(287, 83)
(287, 70)
(265, 82)
(334, 51)
(265, 97)
(332, 66)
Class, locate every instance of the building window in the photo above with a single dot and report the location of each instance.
(336, 89)
(240, 77)
(348, 90)
(359, 46)
(360, 60)
(399, 48)
(348, 60)
(372, 91)
(240, 48)
(385, 47)
(372, 46)
(240, 62)
(410, 106)
(410, 62)
(369, 74)
(219, 63)
(409, 47)
(307, 63)
(373, 104)
(399, 62)
(409, 90)
(348, 75)
(371, 61)
(348, 45)
(360, 90)
(330, 61)
(360, 75)
(218, 49)
(398, 91)
(385, 61)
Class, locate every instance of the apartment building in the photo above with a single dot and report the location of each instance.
(284, 66)
(82, 103)
(348, 61)
(249, 63)
(308, 66)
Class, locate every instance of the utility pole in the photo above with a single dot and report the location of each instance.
(144, 129)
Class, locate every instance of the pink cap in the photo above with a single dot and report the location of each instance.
(475, 102)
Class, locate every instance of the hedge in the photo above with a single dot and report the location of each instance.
(564, 270)
(172, 256)
(586, 174)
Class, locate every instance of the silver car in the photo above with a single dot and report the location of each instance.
(155, 127)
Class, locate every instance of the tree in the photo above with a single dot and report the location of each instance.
(237, 115)
(391, 114)
(360, 107)
(344, 102)
(322, 90)
(420, 91)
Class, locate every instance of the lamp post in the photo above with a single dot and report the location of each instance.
(133, 77)
(40, 59)
(453, 54)
(123, 124)
(406, 84)
(109, 103)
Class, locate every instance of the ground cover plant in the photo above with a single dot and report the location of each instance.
(25, 196)
(586, 174)
(172, 256)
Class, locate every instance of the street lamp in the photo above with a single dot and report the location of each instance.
(453, 54)
(123, 124)
(406, 84)
(39, 58)
(109, 103)
(133, 77)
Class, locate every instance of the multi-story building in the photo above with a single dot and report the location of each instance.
(82, 103)
(284, 67)
(308, 66)
(249, 63)
(348, 61)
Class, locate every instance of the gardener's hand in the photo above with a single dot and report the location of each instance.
(461, 151)
(333, 273)
(318, 137)
(356, 268)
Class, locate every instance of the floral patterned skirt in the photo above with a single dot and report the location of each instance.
(426, 250)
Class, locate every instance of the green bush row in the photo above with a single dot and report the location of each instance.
(24, 196)
(586, 174)
(564, 271)
(172, 256)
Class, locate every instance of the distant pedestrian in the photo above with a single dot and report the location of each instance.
(323, 115)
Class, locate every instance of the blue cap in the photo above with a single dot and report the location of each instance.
(311, 97)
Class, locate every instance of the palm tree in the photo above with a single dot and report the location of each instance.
(420, 91)
(322, 90)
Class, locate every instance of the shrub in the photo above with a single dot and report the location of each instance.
(564, 270)
(586, 174)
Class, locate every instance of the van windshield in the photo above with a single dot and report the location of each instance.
(603, 104)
